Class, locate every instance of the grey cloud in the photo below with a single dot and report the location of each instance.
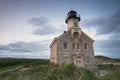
(46, 29)
(111, 43)
(42, 26)
(110, 48)
(38, 21)
(104, 26)
(19, 47)
(35, 49)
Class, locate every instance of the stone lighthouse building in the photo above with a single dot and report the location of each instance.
(73, 46)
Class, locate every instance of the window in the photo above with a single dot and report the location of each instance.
(78, 61)
(87, 59)
(76, 34)
(65, 59)
(75, 24)
(73, 45)
(78, 45)
(65, 45)
(85, 46)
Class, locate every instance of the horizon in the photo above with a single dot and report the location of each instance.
(28, 27)
(49, 58)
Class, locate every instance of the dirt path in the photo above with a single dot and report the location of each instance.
(13, 69)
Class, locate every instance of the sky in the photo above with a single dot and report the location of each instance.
(27, 27)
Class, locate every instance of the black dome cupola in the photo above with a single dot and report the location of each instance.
(72, 14)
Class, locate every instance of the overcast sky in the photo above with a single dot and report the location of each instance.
(27, 27)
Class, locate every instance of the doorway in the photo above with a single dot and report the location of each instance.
(77, 61)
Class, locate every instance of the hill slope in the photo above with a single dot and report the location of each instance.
(106, 60)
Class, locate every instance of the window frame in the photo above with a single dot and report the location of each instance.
(65, 45)
(66, 59)
(78, 45)
(86, 46)
(75, 24)
(87, 59)
(73, 46)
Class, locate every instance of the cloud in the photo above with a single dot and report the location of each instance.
(38, 21)
(110, 48)
(42, 26)
(103, 25)
(24, 47)
(36, 49)
(46, 29)
(107, 34)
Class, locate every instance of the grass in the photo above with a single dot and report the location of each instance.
(43, 70)
(51, 72)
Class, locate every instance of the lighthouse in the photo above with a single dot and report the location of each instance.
(73, 46)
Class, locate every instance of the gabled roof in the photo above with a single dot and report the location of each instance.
(56, 38)
(53, 41)
(62, 35)
(87, 36)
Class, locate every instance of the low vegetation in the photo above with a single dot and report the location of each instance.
(43, 70)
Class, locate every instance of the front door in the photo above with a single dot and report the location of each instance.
(77, 61)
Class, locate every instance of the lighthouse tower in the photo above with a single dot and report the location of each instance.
(72, 21)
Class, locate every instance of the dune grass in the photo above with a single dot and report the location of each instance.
(51, 72)
(43, 70)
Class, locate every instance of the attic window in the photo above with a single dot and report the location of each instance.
(76, 34)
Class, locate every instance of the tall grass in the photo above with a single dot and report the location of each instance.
(43, 70)
(51, 72)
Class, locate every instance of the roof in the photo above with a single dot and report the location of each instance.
(53, 41)
(87, 36)
(62, 35)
